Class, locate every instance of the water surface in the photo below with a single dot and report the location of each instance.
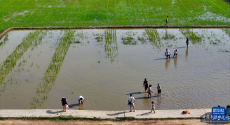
(105, 66)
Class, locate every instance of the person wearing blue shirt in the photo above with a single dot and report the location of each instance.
(159, 89)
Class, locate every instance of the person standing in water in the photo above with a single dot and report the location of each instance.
(146, 84)
(166, 20)
(175, 53)
(167, 53)
(187, 41)
(159, 89)
(80, 100)
(150, 91)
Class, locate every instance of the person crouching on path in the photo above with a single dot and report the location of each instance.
(64, 103)
(146, 84)
(159, 89)
(150, 91)
(131, 101)
(80, 100)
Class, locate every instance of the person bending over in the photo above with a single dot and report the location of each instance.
(80, 99)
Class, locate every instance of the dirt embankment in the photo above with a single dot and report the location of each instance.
(105, 27)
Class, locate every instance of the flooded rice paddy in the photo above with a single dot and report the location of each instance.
(38, 68)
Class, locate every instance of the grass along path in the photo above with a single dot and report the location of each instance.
(35, 13)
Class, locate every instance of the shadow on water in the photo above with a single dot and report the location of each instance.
(53, 112)
(144, 97)
(118, 113)
(135, 93)
(73, 105)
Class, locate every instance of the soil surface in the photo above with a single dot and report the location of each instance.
(72, 122)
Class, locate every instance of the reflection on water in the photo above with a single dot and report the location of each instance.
(158, 105)
(175, 62)
(81, 107)
(58, 67)
(186, 53)
(167, 61)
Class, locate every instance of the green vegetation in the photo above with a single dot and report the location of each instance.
(34, 13)
(7, 66)
(227, 31)
(53, 69)
(4, 40)
(154, 37)
(191, 35)
(111, 47)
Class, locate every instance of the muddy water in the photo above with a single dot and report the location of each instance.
(105, 66)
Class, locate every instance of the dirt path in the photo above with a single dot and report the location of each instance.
(72, 122)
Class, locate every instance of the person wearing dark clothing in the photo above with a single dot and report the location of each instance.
(146, 84)
(64, 103)
(187, 41)
(227, 112)
(166, 20)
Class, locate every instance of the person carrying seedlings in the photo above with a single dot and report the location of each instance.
(64, 103)
(131, 101)
(80, 99)
(159, 89)
(153, 107)
(175, 53)
(146, 84)
(166, 20)
(187, 41)
(150, 91)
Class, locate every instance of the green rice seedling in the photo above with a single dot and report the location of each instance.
(111, 47)
(4, 40)
(195, 39)
(54, 67)
(227, 31)
(154, 38)
(11, 60)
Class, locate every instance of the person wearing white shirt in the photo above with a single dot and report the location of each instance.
(131, 101)
(175, 53)
(81, 99)
(167, 53)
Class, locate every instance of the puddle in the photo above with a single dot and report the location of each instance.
(105, 66)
